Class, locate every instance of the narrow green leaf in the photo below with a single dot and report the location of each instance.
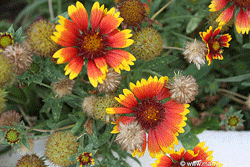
(77, 126)
(194, 22)
(246, 46)
(238, 78)
(56, 110)
(25, 142)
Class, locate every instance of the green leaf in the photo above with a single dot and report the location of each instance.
(238, 78)
(194, 22)
(77, 126)
(245, 83)
(25, 142)
(106, 135)
(11, 30)
(246, 46)
(56, 109)
(189, 141)
(18, 34)
(187, 130)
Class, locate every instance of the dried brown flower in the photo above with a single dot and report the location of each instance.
(195, 52)
(19, 56)
(9, 118)
(63, 87)
(111, 82)
(130, 136)
(183, 89)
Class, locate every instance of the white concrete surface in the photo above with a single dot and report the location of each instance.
(230, 148)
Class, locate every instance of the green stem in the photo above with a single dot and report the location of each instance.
(51, 12)
(34, 127)
(43, 84)
(159, 11)
(59, 3)
(175, 48)
(183, 36)
(234, 98)
(233, 93)
(151, 72)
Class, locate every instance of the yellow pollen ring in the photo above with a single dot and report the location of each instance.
(151, 113)
(216, 45)
(92, 42)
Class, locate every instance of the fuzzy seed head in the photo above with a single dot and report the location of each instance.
(132, 11)
(88, 105)
(60, 147)
(63, 87)
(2, 100)
(96, 107)
(103, 102)
(183, 89)
(39, 38)
(147, 44)
(19, 56)
(6, 71)
(111, 82)
(195, 52)
(130, 136)
(30, 161)
(9, 118)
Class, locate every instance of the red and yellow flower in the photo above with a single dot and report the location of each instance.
(214, 43)
(85, 159)
(95, 44)
(163, 121)
(6, 39)
(242, 21)
(199, 156)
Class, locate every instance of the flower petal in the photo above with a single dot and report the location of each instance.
(120, 39)
(177, 155)
(119, 59)
(64, 37)
(217, 5)
(224, 39)
(68, 25)
(65, 54)
(153, 146)
(97, 14)
(128, 99)
(95, 74)
(79, 15)
(162, 161)
(110, 22)
(225, 16)
(100, 63)
(216, 32)
(242, 22)
(119, 110)
(74, 67)
(164, 138)
(209, 58)
(207, 35)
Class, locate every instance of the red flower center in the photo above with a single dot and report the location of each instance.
(242, 3)
(149, 113)
(91, 45)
